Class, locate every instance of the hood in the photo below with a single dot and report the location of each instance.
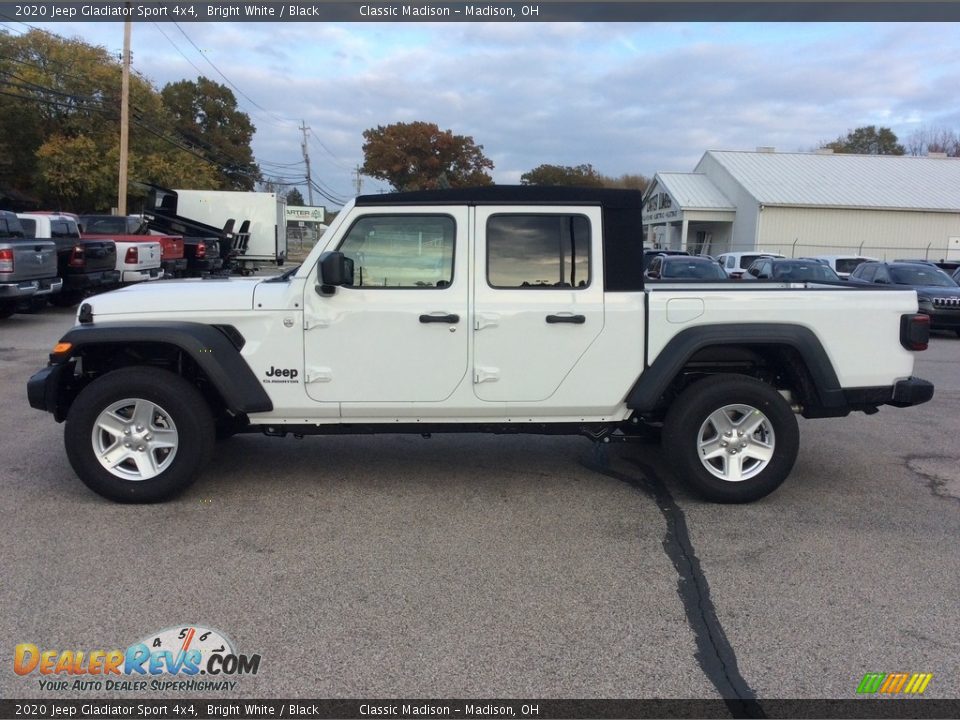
(177, 297)
(936, 291)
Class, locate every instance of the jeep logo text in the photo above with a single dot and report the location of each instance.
(282, 372)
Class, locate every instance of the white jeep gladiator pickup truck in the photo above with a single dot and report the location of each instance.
(498, 309)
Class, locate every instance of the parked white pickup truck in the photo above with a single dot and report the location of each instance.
(501, 309)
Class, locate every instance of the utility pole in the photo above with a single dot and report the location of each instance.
(306, 159)
(359, 180)
(124, 121)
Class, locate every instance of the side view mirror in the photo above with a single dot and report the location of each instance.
(653, 274)
(336, 269)
(763, 276)
(881, 281)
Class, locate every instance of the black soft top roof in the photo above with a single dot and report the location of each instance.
(622, 224)
(513, 194)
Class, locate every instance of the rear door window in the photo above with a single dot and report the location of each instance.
(538, 251)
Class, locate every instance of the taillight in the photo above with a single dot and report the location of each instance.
(77, 259)
(915, 331)
(132, 257)
(6, 260)
(201, 251)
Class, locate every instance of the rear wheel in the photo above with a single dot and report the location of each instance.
(732, 438)
(139, 434)
(7, 308)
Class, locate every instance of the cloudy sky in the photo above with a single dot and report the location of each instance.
(627, 98)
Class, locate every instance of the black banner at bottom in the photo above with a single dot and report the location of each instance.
(393, 709)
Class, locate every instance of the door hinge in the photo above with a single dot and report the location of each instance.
(319, 374)
(311, 323)
(482, 320)
(486, 374)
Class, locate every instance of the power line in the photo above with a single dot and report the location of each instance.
(336, 160)
(177, 48)
(228, 81)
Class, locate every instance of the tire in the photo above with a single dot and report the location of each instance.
(739, 468)
(176, 428)
(7, 308)
(957, 331)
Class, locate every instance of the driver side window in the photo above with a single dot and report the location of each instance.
(401, 251)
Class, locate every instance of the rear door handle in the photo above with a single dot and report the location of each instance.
(440, 318)
(575, 319)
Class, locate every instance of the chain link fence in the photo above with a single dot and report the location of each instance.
(935, 252)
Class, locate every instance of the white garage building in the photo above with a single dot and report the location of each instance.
(808, 204)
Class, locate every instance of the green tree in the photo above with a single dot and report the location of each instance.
(868, 140)
(577, 176)
(628, 182)
(295, 198)
(205, 113)
(61, 127)
(421, 156)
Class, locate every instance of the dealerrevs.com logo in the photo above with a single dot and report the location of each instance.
(187, 658)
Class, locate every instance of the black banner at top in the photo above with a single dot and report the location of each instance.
(549, 11)
(397, 709)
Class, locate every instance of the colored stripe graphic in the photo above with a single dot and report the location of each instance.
(894, 683)
(871, 683)
(918, 683)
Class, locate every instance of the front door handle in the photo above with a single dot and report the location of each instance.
(575, 319)
(440, 318)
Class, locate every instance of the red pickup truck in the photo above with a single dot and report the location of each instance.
(122, 228)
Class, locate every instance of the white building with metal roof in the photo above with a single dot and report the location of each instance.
(809, 204)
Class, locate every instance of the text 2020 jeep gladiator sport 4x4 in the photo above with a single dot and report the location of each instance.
(499, 309)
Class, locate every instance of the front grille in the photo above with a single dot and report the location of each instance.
(946, 302)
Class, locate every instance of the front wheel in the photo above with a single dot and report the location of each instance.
(139, 434)
(733, 438)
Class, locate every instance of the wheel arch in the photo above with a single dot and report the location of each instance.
(209, 354)
(788, 356)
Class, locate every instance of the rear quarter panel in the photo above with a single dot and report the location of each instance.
(859, 329)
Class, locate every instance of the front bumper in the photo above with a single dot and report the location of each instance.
(45, 389)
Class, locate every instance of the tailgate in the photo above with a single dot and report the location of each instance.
(99, 255)
(148, 256)
(32, 260)
(172, 246)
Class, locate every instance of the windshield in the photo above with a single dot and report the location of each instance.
(920, 275)
(105, 226)
(692, 269)
(747, 260)
(848, 265)
(803, 272)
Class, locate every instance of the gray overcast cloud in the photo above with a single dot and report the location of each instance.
(627, 98)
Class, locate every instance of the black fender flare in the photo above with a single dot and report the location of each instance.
(654, 381)
(216, 351)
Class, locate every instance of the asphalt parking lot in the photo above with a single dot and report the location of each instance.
(467, 566)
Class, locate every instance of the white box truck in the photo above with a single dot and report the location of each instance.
(260, 222)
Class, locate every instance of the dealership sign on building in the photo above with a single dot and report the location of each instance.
(303, 213)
